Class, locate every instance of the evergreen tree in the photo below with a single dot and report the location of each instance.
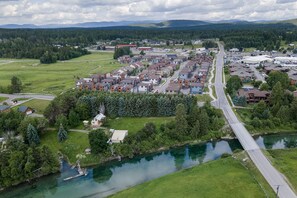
(32, 135)
(181, 127)
(62, 134)
(204, 122)
(195, 132)
(276, 98)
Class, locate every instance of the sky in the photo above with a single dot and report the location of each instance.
(76, 11)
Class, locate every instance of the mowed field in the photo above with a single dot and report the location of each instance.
(57, 77)
(220, 178)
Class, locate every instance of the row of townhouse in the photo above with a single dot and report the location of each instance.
(193, 76)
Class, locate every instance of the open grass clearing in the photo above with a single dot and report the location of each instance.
(203, 98)
(133, 125)
(221, 178)
(75, 144)
(3, 99)
(38, 105)
(285, 160)
(57, 77)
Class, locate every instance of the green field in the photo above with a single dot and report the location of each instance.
(285, 160)
(38, 105)
(221, 178)
(75, 144)
(54, 78)
(133, 125)
(203, 98)
(3, 99)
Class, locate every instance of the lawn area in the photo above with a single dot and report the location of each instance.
(3, 99)
(221, 178)
(54, 78)
(133, 125)
(203, 98)
(75, 144)
(285, 160)
(38, 105)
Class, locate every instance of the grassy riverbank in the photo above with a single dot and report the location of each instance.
(285, 161)
(221, 178)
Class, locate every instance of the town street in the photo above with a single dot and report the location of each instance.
(162, 87)
(273, 177)
(11, 97)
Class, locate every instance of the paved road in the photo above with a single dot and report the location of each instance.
(162, 88)
(11, 97)
(273, 177)
(257, 73)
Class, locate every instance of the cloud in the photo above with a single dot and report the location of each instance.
(75, 11)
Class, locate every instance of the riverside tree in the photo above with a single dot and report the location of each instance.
(181, 127)
(98, 141)
(32, 135)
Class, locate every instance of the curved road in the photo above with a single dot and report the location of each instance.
(272, 176)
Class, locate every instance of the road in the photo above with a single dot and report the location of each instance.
(11, 97)
(161, 88)
(273, 177)
(257, 73)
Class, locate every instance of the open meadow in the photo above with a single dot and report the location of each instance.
(57, 77)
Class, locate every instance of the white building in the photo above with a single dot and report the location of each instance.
(118, 136)
(97, 121)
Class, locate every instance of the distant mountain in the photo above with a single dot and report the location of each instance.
(172, 23)
(76, 25)
(290, 21)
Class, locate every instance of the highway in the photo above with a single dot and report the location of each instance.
(272, 176)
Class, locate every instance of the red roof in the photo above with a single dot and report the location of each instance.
(126, 45)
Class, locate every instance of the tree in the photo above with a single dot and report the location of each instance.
(204, 122)
(257, 83)
(196, 129)
(276, 76)
(62, 134)
(264, 87)
(277, 97)
(16, 85)
(48, 57)
(142, 53)
(261, 111)
(73, 119)
(233, 84)
(181, 120)
(61, 120)
(32, 135)
(98, 141)
(293, 109)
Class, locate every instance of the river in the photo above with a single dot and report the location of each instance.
(112, 177)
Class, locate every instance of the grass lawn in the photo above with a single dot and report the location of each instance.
(3, 99)
(38, 105)
(203, 98)
(75, 144)
(285, 160)
(54, 78)
(133, 125)
(221, 178)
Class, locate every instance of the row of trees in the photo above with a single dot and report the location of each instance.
(118, 52)
(20, 162)
(84, 105)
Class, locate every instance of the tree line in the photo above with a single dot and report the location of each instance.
(86, 105)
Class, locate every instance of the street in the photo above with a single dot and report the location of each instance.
(272, 176)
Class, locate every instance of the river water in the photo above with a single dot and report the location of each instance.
(112, 177)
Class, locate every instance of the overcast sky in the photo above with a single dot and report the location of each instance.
(74, 11)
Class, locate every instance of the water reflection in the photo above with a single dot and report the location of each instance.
(112, 177)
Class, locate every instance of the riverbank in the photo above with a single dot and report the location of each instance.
(230, 176)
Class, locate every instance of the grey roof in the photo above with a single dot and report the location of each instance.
(23, 109)
(4, 107)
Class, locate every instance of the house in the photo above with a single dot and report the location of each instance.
(145, 87)
(254, 95)
(173, 88)
(196, 88)
(185, 73)
(98, 120)
(26, 110)
(4, 108)
(118, 136)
